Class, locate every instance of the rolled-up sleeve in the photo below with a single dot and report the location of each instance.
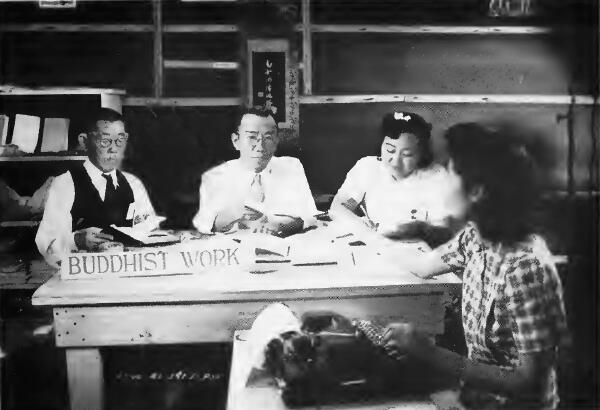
(54, 237)
(303, 202)
(356, 183)
(143, 214)
(456, 252)
(205, 217)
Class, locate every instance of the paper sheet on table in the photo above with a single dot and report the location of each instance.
(267, 242)
(26, 132)
(56, 135)
(147, 237)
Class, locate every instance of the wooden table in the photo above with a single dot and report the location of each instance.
(89, 314)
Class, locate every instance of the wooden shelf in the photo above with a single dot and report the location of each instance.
(16, 90)
(78, 28)
(315, 28)
(44, 158)
(15, 224)
(424, 29)
(182, 102)
(202, 64)
(450, 99)
(200, 28)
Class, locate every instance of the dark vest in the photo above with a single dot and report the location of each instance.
(90, 210)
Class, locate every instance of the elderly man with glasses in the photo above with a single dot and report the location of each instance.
(94, 195)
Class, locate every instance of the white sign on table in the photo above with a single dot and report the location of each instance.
(188, 259)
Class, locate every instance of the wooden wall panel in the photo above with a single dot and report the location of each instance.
(438, 64)
(101, 60)
(123, 11)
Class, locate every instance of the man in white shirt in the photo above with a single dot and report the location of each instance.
(258, 191)
(93, 195)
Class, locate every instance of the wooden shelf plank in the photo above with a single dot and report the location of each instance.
(200, 28)
(450, 99)
(315, 28)
(414, 29)
(306, 48)
(13, 224)
(16, 90)
(202, 64)
(78, 28)
(44, 158)
(182, 102)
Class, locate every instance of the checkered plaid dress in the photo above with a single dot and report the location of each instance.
(511, 300)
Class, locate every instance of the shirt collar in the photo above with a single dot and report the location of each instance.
(96, 174)
(267, 170)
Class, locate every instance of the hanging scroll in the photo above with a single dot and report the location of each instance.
(269, 78)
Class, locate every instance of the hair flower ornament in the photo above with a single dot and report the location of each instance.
(401, 116)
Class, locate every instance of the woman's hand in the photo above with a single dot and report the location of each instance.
(407, 230)
(405, 340)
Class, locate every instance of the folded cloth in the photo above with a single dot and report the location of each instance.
(274, 320)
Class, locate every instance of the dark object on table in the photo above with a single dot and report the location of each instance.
(333, 360)
(357, 243)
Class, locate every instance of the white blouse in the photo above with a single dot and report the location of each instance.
(422, 196)
(285, 191)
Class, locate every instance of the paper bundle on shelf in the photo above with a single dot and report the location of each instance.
(26, 132)
(56, 135)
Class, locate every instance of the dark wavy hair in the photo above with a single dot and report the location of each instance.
(398, 122)
(507, 173)
(258, 111)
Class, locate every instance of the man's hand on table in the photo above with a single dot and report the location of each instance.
(90, 239)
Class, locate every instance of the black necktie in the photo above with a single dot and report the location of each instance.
(110, 188)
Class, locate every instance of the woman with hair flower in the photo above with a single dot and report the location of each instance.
(401, 194)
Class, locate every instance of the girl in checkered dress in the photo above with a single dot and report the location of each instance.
(512, 308)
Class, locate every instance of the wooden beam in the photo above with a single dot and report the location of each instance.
(200, 28)
(158, 48)
(44, 158)
(451, 99)
(77, 28)
(306, 48)
(315, 28)
(15, 90)
(411, 29)
(202, 64)
(182, 102)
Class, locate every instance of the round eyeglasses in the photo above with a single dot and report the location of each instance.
(106, 142)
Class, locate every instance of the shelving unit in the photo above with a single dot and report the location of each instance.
(62, 102)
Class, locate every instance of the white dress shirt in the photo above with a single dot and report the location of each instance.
(55, 237)
(284, 190)
(422, 196)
